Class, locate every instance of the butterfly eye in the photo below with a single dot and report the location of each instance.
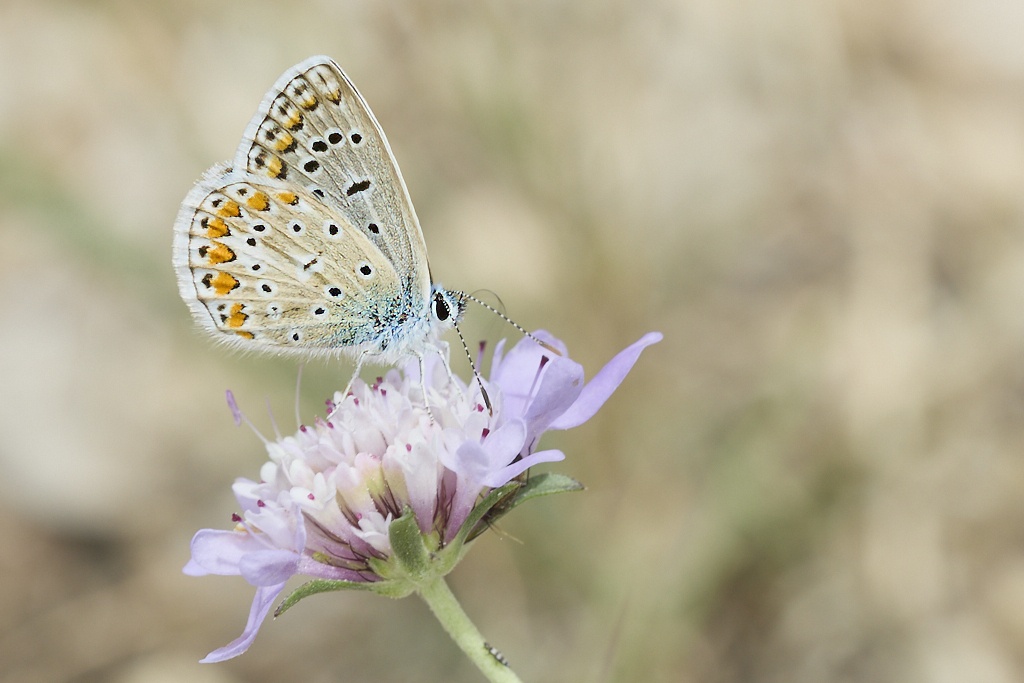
(441, 311)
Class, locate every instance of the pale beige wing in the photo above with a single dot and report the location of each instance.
(268, 265)
(314, 129)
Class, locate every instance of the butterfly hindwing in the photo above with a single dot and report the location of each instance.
(272, 265)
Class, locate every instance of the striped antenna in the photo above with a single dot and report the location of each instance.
(507, 319)
(476, 373)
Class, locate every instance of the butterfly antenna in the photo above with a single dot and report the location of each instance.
(476, 373)
(511, 322)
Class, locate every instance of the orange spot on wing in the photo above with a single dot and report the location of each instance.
(222, 283)
(245, 335)
(284, 141)
(235, 318)
(216, 227)
(219, 253)
(288, 197)
(294, 120)
(334, 95)
(308, 103)
(230, 209)
(275, 167)
(259, 201)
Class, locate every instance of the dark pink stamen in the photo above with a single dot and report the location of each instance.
(484, 433)
(260, 504)
(311, 496)
(408, 448)
(235, 518)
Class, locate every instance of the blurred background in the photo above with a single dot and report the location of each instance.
(817, 476)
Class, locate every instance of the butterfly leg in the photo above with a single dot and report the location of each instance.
(423, 384)
(348, 387)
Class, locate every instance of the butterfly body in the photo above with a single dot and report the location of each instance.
(307, 243)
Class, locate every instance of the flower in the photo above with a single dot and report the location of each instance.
(340, 500)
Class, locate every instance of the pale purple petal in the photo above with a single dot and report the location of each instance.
(505, 443)
(506, 474)
(219, 552)
(262, 602)
(474, 462)
(560, 387)
(604, 383)
(419, 471)
(246, 493)
(517, 371)
(496, 357)
(268, 567)
(470, 462)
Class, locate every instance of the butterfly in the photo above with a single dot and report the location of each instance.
(307, 241)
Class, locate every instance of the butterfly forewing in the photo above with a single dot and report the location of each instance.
(314, 129)
(271, 265)
(308, 241)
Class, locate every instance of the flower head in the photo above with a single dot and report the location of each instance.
(385, 492)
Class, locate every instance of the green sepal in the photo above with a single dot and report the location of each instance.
(481, 509)
(325, 586)
(408, 547)
(546, 484)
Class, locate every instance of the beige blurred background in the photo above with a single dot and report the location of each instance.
(817, 476)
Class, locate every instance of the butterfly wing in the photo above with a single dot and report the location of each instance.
(267, 264)
(314, 129)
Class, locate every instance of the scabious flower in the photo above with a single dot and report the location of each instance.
(385, 494)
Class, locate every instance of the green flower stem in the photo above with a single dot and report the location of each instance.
(454, 620)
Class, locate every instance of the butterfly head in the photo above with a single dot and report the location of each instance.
(446, 308)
